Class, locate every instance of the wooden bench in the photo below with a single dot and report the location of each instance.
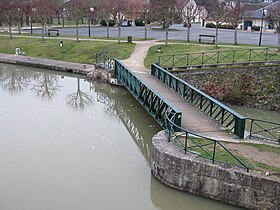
(53, 30)
(208, 36)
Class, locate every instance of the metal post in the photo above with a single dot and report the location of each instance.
(186, 143)
(250, 55)
(89, 25)
(233, 59)
(214, 152)
(173, 61)
(260, 39)
(202, 59)
(31, 26)
(266, 54)
(251, 128)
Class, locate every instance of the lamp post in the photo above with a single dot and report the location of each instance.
(63, 11)
(264, 11)
(146, 20)
(31, 26)
(91, 10)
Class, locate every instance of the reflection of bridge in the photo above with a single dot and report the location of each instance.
(116, 105)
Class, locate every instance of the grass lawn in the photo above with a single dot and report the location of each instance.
(81, 52)
(181, 59)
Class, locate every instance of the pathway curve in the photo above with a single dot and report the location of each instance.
(193, 119)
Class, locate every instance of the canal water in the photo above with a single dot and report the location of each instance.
(66, 143)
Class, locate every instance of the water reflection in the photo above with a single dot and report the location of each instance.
(79, 100)
(46, 86)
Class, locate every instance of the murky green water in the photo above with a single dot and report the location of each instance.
(66, 143)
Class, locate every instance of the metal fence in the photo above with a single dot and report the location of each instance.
(223, 114)
(219, 58)
(154, 103)
(265, 130)
(201, 146)
(106, 61)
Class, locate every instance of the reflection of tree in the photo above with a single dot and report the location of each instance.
(109, 104)
(13, 79)
(46, 86)
(79, 100)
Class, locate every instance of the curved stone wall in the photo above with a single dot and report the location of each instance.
(229, 185)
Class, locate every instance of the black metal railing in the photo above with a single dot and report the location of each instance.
(201, 146)
(265, 130)
(217, 58)
(215, 109)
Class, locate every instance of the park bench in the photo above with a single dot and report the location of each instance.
(207, 36)
(53, 30)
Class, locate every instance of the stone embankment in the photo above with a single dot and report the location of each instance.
(252, 86)
(189, 173)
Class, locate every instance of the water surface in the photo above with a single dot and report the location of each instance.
(66, 143)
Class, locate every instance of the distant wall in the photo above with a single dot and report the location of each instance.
(252, 86)
(233, 186)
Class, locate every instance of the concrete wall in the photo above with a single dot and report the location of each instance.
(233, 186)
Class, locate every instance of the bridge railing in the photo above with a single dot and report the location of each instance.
(223, 114)
(201, 146)
(105, 60)
(263, 129)
(154, 103)
(227, 57)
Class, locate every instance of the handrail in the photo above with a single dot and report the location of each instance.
(152, 101)
(264, 129)
(216, 58)
(223, 114)
(105, 60)
(200, 143)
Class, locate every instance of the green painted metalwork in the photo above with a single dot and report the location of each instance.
(154, 103)
(105, 60)
(263, 129)
(229, 57)
(199, 145)
(223, 114)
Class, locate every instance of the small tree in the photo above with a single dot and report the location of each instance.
(166, 12)
(77, 10)
(234, 16)
(274, 15)
(104, 12)
(218, 16)
(8, 10)
(189, 12)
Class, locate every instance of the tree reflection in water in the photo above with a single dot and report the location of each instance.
(79, 100)
(13, 79)
(46, 86)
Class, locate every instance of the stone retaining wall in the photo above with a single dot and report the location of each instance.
(229, 185)
(253, 86)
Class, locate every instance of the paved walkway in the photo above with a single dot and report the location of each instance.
(193, 119)
(47, 63)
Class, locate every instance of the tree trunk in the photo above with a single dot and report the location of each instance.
(146, 30)
(217, 24)
(43, 30)
(77, 31)
(188, 31)
(235, 35)
(10, 31)
(279, 41)
(166, 36)
(119, 33)
(108, 29)
(19, 27)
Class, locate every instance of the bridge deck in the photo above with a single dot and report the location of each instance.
(193, 119)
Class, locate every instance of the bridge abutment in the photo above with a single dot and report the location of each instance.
(189, 173)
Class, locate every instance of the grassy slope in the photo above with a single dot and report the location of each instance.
(82, 52)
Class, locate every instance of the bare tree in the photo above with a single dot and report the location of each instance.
(234, 15)
(166, 13)
(104, 12)
(274, 15)
(189, 12)
(218, 16)
(120, 9)
(77, 9)
(8, 10)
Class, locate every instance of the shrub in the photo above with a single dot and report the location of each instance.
(139, 22)
(213, 25)
(255, 28)
(111, 23)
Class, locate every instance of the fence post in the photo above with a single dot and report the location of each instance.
(188, 58)
(218, 57)
(158, 61)
(233, 59)
(251, 128)
(202, 59)
(250, 54)
(266, 54)
(173, 60)
(186, 143)
(214, 152)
